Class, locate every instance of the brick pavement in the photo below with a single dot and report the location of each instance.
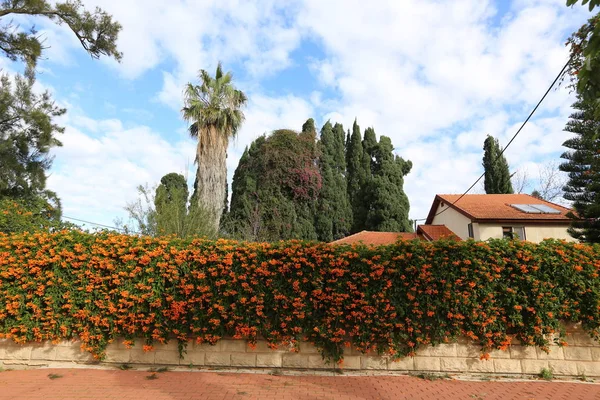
(124, 385)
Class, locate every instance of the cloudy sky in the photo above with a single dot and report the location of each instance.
(435, 76)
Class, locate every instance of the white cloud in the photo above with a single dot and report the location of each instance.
(435, 76)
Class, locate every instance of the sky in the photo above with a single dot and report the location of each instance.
(435, 76)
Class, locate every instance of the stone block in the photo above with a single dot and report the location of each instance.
(294, 360)
(505, 366)
(591, 368)
(468, 350)
(499, 354)
(404, 364)
(172, 345)
(351, 362)
(454, 364)
(166, 357)
(46, 351)
(120, 356)
(581, 339)
(73, 353)
(556, 353)
(523, 352)
(308, 348)
(207, 347)
(269, 360)
(317, 362)
(193, 357)
(217, 359)
(563, 367)
(372, 362)
(139, 356)
(427, 364)
(440, 350)
(233, 346)
(595, 353)
(243, 360)
(533, 366)
(477, 365)
(577, 353)
(17, 352)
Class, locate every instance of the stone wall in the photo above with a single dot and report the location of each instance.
(581, 357)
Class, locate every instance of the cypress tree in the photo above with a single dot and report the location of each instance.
(355, 175)
(334, 213)
(583, 167)
(497, 174)
(389, 205)
(362, 201)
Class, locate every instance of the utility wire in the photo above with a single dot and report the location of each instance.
(94, 223)
(515, 135)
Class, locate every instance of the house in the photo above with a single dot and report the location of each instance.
(370, 238)
(487, 216)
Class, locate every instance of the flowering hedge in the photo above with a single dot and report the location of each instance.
(390, 299)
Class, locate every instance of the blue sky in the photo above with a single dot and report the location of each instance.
(435, 76)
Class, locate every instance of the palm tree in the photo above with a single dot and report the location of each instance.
(214, 110)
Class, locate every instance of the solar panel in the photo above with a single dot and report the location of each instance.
(526, 208)
(546, 209)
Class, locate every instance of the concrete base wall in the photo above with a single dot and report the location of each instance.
(581, 357)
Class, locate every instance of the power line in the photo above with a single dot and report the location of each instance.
(514, 136)
(95, 223)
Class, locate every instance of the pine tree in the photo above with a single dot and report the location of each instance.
(497, 174)
(583, 167)
(389, 205)
(334, 213)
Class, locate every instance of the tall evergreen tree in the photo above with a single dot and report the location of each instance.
(362, 201)
(275, 188)
(389, 205)
(355, 176)
(497, 174)
(334, 213)
(583, 167)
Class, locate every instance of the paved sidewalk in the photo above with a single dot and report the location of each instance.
(116, 384)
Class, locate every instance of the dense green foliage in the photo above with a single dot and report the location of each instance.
(31, 215)
(583, 168)
(333, 219)
(290, 186)
(391, 300)
(354, 173)
(27, 134)
(275, 187)
(96, 31)
(584, 68)
(28, 129)
(388, 204)
(497, 174)
(214, 109)
(168, 211)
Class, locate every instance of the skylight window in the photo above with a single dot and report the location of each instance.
(535, 208)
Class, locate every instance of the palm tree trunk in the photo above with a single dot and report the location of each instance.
(211, 157)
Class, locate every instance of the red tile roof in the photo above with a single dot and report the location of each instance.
(376, 238)
(436, 232)
(497, 207)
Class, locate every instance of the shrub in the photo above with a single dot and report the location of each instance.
(389, 299)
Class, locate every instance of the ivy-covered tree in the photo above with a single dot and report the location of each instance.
(497, 175)
(583, 167)
(334, 213)
(275, 188)
(388, 204)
